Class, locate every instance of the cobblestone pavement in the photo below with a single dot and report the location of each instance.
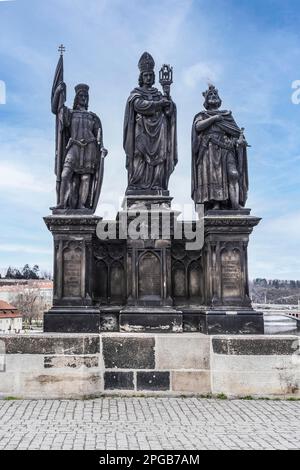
(149, 423)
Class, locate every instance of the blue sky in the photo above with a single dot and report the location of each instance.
(249, 49)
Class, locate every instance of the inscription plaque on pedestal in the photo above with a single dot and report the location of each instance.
(231, 273)
(72, 272)
(149, 275)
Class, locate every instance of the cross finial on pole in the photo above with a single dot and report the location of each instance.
(61, 49)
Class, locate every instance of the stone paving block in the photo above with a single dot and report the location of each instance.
(154, 381)
(256, 345)
(136, 352)
(51, 344)
(118, 381)
(61, 385)
(192, 381)
(185, 352)
(262, 383)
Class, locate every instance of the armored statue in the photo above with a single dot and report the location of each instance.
(80, 153)
(219, 157)
(150, 140)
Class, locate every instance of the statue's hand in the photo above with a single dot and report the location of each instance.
(62, 87)
(165, 102)
(218, 117)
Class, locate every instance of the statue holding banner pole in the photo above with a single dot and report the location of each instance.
(80, 153)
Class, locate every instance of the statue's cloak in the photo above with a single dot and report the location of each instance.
(199, 147)
(129, 135)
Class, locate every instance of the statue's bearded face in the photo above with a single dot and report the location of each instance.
(148, 78)
(83, 99)
(213, 100)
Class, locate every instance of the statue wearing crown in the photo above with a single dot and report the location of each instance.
(219, 157)
(150, 140)
(79, 148)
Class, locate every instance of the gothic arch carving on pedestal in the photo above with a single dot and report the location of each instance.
(149, 275)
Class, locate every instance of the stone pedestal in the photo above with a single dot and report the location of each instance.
(149, 303)
(227, 302)
(73, 308)
(145, 278)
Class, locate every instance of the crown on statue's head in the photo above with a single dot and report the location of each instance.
(146, 63)
(211, 88)
(81, 87)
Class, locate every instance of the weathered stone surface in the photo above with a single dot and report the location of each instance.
(52, 384)
(261, 346)
(118, 381)
(109, 322)
(23, 362)
(253, 364)
(51, 344)
(128, 353)
(239, 324)
(143, 322)
(253, 383)
(188, 352)
(72, 322)
(154, 381)
(183, 361)
(73, 362)
(191, 382)
(191, 322)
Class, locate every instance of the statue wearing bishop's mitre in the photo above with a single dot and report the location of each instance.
(150, 140)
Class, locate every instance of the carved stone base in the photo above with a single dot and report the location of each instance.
(71, 320)
(228, 306)
(161, 200)
(73, 310)
(214, 322)
(225, 258)
(156, 282)
(75, 212)
(143, 320)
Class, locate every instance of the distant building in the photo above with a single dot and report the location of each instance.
(10, 318)
(10, 288)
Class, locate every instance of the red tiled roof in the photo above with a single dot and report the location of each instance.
(8, 311)
(10, 315)
(6, 306)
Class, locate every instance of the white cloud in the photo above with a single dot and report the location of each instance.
(201, 71)
(15, 177)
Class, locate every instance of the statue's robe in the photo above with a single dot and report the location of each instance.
(150, 140)
(214, 149)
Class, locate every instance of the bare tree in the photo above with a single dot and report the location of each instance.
(31, 304)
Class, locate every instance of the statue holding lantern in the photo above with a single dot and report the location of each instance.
(150, 138)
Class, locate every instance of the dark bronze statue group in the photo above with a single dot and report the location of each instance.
(219, 148)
